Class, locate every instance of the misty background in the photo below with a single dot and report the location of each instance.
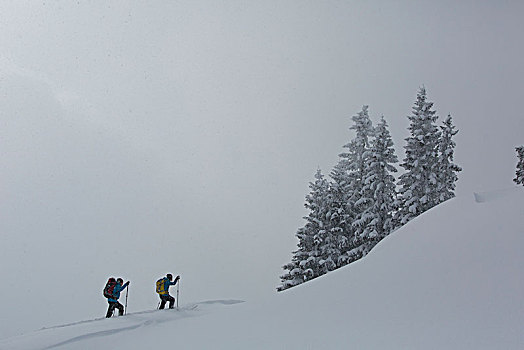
(138, 139)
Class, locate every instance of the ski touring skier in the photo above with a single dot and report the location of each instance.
(162, 288)
(112, 293)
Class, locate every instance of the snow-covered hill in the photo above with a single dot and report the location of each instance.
(450, 279)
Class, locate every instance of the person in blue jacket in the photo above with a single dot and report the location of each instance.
(113, 302)
(162, 288)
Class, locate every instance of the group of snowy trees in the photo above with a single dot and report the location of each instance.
(360, 205)
(519, 178)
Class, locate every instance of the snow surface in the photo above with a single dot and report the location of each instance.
(450, 279)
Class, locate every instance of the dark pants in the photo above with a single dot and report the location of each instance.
(114, 305)
(165, 298)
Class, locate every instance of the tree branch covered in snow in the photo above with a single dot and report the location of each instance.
(519, 178)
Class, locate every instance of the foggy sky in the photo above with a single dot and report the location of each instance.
(187, 132)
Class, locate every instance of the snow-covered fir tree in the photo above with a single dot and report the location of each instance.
(418, 186)
(332, 239)
(339, 209)
(329, 240)
(351, 171)
(360, 146)
(447, 169)
(379, 188)
(305, 263)
(519, 178)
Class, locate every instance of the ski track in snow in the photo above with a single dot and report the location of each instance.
(191, 306)
(490, 196)
(136, 315)
(94, 335)
(223, 302)
(72, 324)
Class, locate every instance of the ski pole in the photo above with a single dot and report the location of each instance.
(177, 289)
(127, 292)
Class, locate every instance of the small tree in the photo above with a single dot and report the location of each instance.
(305, 264)
(332, 239)
(379, 186)
(447, 169)
(519, 178)
(340, 211)
(354, 168)
(419, 184)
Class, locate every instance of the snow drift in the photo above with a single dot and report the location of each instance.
(449, 279)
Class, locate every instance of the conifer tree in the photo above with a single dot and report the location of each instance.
(447, 169)
(364, 131)
(519, 178)
(379, 187)
(419, 184)
(339, 209)
(305, 263)
(332, 239)
(354, 163)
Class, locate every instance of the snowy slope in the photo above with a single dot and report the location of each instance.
(450, 279)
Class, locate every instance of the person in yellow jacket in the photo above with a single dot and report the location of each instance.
(162, 288)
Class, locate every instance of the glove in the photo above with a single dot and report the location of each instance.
(177, 278)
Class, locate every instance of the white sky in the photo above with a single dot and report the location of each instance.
(193, 128)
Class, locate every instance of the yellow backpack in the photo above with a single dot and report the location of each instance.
(160, 286)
